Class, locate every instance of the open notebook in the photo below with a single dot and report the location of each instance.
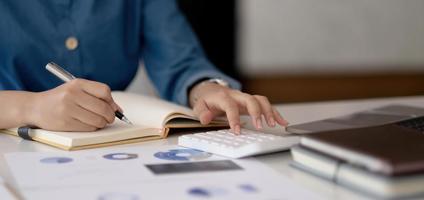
(151, 117)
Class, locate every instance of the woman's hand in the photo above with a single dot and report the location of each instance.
(79, 105)
(210, 100)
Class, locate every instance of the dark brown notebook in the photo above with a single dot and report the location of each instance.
(392, 149)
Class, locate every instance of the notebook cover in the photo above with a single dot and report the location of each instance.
(359, 179)
(72, 148)
(399, 148)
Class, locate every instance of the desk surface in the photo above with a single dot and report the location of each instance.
(294, 113)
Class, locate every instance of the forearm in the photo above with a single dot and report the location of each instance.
(15, 107)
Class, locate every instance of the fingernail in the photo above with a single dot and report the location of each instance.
(237, 129)
(258, 123)
(115, 107)
(271, 121)
(286, 122)
(254, 122)
(119, 108)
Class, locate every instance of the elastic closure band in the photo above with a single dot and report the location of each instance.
(23, 132)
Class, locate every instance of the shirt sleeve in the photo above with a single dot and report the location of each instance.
(172, 55)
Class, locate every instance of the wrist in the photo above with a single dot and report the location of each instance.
(203, 89)
(29, 109)
(193, 95)
(218, 81)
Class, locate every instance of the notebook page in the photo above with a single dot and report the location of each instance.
(146, 110)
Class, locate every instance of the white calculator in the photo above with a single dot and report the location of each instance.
(248, 143)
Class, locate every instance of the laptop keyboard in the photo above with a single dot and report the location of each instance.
(416, 123)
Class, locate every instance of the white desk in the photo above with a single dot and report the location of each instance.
(294, 113)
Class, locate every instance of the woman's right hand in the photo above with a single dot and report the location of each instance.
(79, 105)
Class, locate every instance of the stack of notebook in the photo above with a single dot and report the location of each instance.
(385, 161)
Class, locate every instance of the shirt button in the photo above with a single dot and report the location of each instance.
(71, 43)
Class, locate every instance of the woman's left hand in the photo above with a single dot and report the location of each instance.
(210, 100)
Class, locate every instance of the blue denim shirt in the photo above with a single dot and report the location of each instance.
(111, 38)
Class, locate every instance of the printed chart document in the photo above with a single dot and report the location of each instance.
(147, 172)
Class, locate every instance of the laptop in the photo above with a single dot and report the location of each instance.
(374, 117)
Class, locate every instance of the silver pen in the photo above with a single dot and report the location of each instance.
(65, 76)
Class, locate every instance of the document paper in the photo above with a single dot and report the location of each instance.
(147, 172)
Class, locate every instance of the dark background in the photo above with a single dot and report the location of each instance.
(214, 22)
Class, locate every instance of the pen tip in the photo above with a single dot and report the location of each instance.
(126, 120)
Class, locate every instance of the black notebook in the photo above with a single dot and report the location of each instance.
(392, 149)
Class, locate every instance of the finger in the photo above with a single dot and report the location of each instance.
(280, 120)
(266, 109)
(229, 106)
(96, 106)
(118, 107)
(87, 117)
(202, 111)
(253, 107)
(99, 90)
